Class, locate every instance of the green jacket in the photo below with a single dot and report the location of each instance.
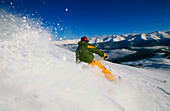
(84, 52)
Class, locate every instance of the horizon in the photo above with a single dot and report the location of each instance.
(72, 19)
(105, 36)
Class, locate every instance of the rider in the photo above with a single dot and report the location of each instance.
(84, 54)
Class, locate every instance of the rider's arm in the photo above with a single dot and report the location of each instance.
(96, 50)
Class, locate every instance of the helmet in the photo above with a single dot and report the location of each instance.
(84, 38)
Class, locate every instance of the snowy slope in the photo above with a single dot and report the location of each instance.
(36, 75)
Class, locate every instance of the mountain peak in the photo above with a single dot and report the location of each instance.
(157, 35)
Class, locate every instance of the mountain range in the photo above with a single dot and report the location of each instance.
(158, 35)
(131, 47)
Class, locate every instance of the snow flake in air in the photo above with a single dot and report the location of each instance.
(66, 9)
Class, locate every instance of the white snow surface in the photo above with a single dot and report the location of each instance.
(36, 75)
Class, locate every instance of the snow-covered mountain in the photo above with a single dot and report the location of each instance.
(37, 75)
(158, 35)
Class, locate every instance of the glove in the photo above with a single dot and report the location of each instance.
(105, 56)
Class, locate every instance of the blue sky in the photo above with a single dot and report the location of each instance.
(99, 17)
